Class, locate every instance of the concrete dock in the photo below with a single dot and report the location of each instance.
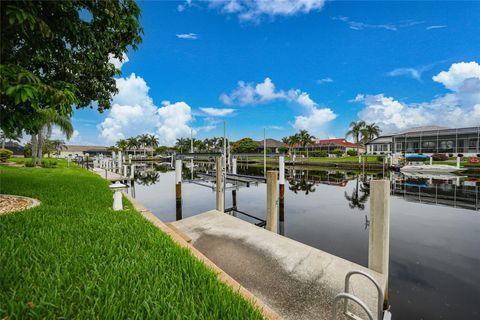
(110, 176)
(295, 280)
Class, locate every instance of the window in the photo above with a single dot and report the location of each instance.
(446, 144)
(428, 144)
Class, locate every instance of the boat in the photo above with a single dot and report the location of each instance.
(431, 168)
(416, 157)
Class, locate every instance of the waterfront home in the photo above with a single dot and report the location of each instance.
(428, 140)
(77, 150)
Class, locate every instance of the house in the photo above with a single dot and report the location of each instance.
(76, 150)
(428, 140)
(271, 144)
(15, 147)
(329, 145)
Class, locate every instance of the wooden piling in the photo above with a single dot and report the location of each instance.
(178, 189)
(220, 187)
(272, 201)
(281, 185)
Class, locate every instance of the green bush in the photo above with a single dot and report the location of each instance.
(318, 154)
(338, 152)
(282, 149)
(5, 154)
(48, 163)
(380, 159)
(352, 153)
(29, 163)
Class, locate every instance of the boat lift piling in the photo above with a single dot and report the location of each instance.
(272, 201)
(220, 186)
(178, 189)
(281, 193)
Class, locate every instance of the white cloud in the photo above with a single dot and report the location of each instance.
(316, 121)
(410, 72)
(457, 74)
(436, 27)
(183, 6)
(357, 25)
(248, 10)
(118, 63)
(190, 36)
(458, 108)
(263, 92)
(58, 135)
(133, 112)
(218, 112)
(324, 80)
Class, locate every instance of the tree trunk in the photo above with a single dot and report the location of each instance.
(40, 147)
(3, 143)
(33, 142)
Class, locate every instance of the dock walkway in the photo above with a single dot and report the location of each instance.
(110, 176)
(295, 280)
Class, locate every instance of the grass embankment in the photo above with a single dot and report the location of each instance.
(72, 257)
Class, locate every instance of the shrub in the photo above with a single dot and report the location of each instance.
(5, 154)
(283, 149)
(380, 159)
(48, 163)
(450, 155)
(439, 157)
(321, 154)
(478, 154)
(29, 163)
(460, 155)
(352, 153)
(338, 152)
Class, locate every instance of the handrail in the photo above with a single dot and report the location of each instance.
(379, 290)
(348, 296)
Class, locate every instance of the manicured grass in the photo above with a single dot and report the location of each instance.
(74, 258)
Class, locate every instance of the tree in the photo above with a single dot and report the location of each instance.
(13, 136)
(122, 144)
(152, 142)
(57, 54)
(57, 145)
(304, 138)
(133, 143)
(370, 132)
(42, 128)
(144, 140)
(245, 145)
(355, 131)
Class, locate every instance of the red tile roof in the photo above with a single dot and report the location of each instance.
(338, 142)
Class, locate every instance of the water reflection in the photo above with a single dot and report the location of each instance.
(359, 195)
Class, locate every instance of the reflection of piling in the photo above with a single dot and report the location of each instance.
(281, 195)
(379, 235)
(234, 202)
(220, 187)
(178, 188)
(272, 201)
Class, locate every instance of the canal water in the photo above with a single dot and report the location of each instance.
(434, 233)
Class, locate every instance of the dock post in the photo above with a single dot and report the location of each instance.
(234, 165)
(132, 172)
(458, 162)
(272, 201)
(431, 160)
(220, 187)
(178, 189)
(379, 235)
(125, 171)
(281, 197)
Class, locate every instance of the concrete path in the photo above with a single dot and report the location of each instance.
(110, 176)
(295, 280)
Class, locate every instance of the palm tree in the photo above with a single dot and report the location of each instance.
(152, 142)
(304, 138)
(370, 132)
(45, 120)
(355, 131)
(144, 139)
(58, 145)
(122, 144)
(10, 137)
(133, 143)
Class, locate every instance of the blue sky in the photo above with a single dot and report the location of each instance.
(289, 65)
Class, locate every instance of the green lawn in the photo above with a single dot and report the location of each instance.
(74, 258)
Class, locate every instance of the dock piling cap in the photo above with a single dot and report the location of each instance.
(118, 186)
